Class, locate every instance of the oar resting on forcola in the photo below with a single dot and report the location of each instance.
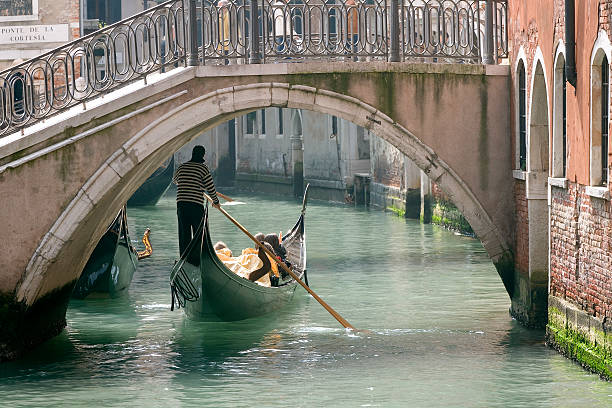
(282, 265)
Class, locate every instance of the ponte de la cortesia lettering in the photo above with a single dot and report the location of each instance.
(34, 33)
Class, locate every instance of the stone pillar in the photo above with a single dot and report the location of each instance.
(297, 164)
(426, 199)
(361, 189)
(192, 56)
(26, 326)
(530, 304)
(487, 55)
(394, 31)
(412, 175)
(254, 57)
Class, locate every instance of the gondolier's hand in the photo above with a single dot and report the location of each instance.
(217, 205)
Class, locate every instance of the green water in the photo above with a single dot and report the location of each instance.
(440, 331)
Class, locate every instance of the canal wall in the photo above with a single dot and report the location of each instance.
(445, 213)
(396, 187)
(579, 302)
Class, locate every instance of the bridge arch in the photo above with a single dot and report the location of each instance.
(127, 167)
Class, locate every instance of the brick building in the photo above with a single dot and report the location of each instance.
(562, 178)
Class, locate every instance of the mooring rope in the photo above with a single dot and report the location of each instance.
(182, 289)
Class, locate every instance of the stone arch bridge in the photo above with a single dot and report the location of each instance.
(63, 179)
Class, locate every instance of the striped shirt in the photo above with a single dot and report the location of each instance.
(191, 180)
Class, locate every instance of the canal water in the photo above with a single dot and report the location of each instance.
(440, 334)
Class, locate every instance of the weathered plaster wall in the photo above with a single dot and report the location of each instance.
(322, 148)
(267, 152)
(329, 160)
(387, 164)
(396, 180)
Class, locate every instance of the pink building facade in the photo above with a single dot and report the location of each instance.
(561, 122)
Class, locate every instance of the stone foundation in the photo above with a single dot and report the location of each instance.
(445, 213)
(24, 328)
(263, 183)
(404, 203)
(436, 207)
(326, 190)
(529, 302)
(579, 336)
(528, 295)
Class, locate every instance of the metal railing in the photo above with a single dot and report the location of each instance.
(455, 29)
(448, 30)
(92, 65)
(161, 38)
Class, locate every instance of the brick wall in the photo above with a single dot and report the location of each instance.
(387, 163)
(521, 258)
(73, 19)
(581, 250)
(605, 10)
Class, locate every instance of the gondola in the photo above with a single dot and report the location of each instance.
(110, 268)
(211, 292)
(154, 187)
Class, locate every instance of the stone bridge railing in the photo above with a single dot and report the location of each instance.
(163, 37)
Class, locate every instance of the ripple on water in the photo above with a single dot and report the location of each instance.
(439, 331)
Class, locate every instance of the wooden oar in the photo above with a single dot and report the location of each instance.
(226, 198)
(327, 307)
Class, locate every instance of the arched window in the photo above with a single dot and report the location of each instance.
(564, 122)
(539, 137)
(600, 107)
(560, 120)
(605, 109)
(522, 112)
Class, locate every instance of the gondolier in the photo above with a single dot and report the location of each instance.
(192, 178)
(210, 290)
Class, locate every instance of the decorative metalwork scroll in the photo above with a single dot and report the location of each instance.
(452, 29)
(92, 65)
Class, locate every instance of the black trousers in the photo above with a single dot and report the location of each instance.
(189, 218)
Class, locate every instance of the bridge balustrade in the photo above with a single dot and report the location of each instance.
(163, 37)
